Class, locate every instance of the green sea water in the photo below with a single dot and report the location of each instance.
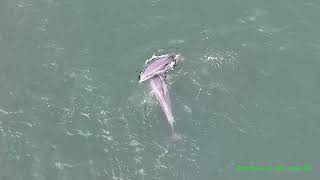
(247, 93)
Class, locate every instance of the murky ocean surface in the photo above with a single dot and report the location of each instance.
(71, 106)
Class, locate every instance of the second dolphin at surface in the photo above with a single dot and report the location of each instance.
(160, 90)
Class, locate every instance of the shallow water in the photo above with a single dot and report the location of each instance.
(71, 106)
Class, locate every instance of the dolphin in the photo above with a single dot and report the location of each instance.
(160, 89)
(158, 65)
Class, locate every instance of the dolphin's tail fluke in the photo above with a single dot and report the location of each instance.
(171, 123)
(176, 137)
(172, 129)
